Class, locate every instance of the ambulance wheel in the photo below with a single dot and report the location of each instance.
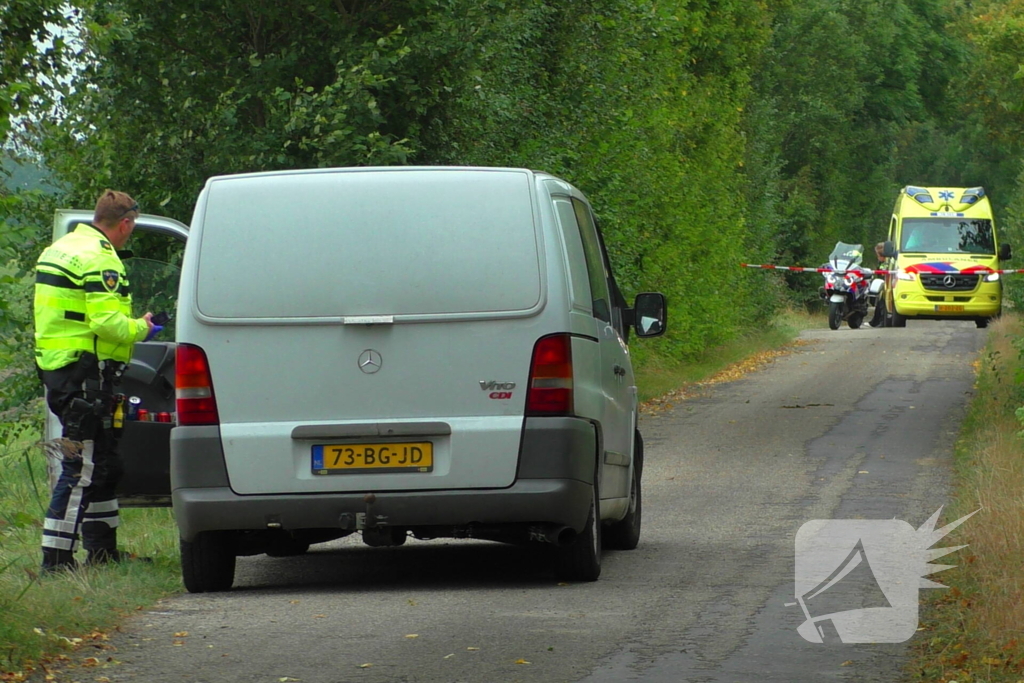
(981, 323)
(625, 534)
(581, 559)
(835, 315)
(208, 562)
(898, 320)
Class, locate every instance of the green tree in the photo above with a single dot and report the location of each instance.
(993, 111)
(842, 87)
(637, 103)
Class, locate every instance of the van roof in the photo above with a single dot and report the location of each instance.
(371, 169)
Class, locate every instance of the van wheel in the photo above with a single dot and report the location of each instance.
(835, 315)
(208, 563)
(981, 323)
(581, 559)
(625, 534)
(898, 320)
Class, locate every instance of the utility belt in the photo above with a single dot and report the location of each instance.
(85, 394)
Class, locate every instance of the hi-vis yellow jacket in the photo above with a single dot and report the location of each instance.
(83, 301)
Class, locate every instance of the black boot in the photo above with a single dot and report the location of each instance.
(55, 560)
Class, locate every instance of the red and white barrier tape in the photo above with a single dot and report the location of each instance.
(799, 269)
(869, 271)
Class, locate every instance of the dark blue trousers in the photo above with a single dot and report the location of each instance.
(84, 502)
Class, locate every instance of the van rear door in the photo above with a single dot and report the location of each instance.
(152, 260)
(346, 311)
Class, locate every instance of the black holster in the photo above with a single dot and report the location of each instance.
(79, 396)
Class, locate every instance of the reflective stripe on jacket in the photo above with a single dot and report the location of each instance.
(83, 301)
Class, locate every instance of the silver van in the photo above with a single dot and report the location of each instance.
(434, 352)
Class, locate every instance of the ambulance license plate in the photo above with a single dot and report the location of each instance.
(373, 458)
(949, 309)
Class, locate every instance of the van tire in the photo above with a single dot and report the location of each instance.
(982, 323)
(898, 320)
(625, 534)
(208, 562)
(581, 559)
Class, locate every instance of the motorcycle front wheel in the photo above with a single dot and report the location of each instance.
(835, 315)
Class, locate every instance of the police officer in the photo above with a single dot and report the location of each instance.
(84, 334)
(878, 319)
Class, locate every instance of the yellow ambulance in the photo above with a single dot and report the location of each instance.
(942, 253)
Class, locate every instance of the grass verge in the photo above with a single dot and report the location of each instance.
(45, 617)
(974, 630)
(660, 377)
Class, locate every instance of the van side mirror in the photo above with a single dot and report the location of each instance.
(650, 314)
(1004, 252)
(888, 249)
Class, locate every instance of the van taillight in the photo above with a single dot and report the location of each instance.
(550, 387)
(193, 387)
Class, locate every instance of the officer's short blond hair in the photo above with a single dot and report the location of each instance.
(112, 206)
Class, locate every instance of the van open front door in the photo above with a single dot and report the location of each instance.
(152, 259)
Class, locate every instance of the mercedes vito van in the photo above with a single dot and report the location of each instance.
(395, 352)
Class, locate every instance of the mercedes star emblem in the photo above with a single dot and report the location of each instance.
(370, 361)
(949, 281)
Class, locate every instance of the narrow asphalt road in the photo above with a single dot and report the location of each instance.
(854, 424)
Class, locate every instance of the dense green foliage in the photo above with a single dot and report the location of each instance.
(706, 132)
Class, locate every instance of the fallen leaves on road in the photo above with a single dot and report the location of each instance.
(732, 373)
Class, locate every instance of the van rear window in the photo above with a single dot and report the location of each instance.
(356, 242)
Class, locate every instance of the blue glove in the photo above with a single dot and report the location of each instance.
(153, 332)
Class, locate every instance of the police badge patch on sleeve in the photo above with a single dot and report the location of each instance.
(110, 278)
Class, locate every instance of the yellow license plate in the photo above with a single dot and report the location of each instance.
(949, 309)
(373, 458)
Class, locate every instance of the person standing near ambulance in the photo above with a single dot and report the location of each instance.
(84, 335)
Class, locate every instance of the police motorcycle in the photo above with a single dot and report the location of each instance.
(846, 286)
